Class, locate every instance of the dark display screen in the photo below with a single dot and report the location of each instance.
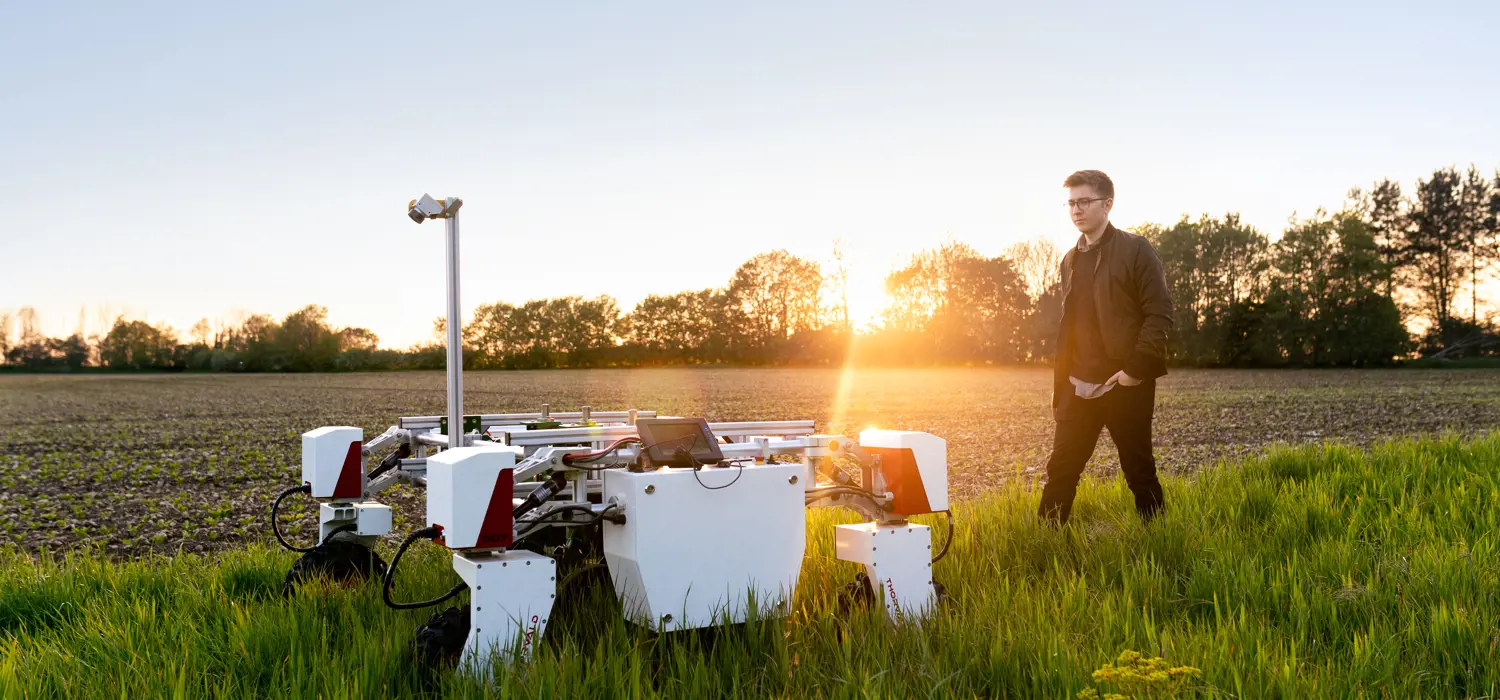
(678, 442)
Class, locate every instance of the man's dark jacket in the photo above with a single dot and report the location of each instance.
(1134, 309)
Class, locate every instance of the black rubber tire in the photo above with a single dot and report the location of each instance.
(861, 594)
(440, 641)
(858, 594)
(343, 560)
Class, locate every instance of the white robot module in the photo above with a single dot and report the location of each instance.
(698, 524)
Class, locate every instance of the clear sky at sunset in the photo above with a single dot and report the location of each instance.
(189, 160)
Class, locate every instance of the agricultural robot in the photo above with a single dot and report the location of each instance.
(697, 524)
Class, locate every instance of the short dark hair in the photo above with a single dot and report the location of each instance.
(1093, 178)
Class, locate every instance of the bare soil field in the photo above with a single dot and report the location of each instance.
(133, 464)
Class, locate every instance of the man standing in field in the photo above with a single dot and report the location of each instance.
(1111, 348)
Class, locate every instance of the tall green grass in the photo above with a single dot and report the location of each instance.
(1310, 572)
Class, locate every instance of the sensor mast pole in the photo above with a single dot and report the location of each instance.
(447, 209)
(456, 437)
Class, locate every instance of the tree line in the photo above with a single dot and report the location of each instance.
(302, 342)
(1334, 289)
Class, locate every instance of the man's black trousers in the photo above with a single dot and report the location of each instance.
(1126, 411)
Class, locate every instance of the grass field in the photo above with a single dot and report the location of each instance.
(1310, 572)
(136, 464)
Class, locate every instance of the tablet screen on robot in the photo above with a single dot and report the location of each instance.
(678, 442)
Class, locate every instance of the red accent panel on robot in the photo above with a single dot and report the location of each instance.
(351, 476)
(903, 480)
(499, 525)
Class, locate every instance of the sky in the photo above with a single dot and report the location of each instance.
(179, 161)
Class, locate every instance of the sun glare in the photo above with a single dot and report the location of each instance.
(867, 297)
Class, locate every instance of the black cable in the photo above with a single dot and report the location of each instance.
(572, 460)
(848, 490)
(616, 518)
(579, 463)
(276, 526)
(587, 468)
(948, 542)
(855, 490)
(875, 504)
(697, 466)
(390, 574)
(560, 510)
(547, 518)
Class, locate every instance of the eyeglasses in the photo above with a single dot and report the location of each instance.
(1084, 203)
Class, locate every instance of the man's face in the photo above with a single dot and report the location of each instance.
(1087, 209)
